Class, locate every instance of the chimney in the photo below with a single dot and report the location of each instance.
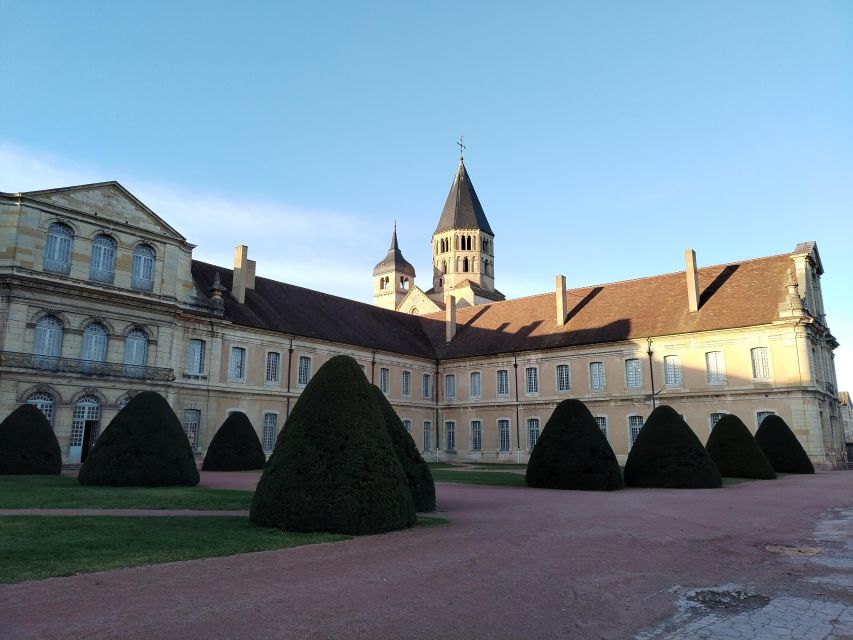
(561, 300)
(450, 318)
(692, 281)
(244, 273)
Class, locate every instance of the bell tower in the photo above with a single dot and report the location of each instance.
(393, 277)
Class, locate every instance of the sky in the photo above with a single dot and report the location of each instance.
(603, 138)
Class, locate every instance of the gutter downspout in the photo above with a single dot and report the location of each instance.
(289, 365)
(517, 418)
(651, 371)
(437, 412)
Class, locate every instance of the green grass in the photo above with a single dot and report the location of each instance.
(441, 465)
(431, 521)
(727, 482)
(500, 465)
(61, 492)
(479, 477)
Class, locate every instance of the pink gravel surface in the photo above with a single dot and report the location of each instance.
(514, 563)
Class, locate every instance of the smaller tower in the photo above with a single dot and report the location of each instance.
(393, 277)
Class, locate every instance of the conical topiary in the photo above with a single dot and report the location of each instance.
(781, 447)
(668, 454)
(143, 446)
(572, 453)
(334, 467)
(417, 472)
(28, 445)
(735, 452)
(235, 447)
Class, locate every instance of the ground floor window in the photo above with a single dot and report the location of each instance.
(532, 433)
(427, 435)
(759, 417)
(476, 435)
(450, 436)
(503, 435)
(192, 418)
(601, 421)
(407, 425)
(715, 418)
(635, 424)
(269, 431)
(44, 402)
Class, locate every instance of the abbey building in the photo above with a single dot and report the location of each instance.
(100, 298)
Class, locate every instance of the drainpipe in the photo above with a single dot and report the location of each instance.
(373, 367)
(517, 418)
(437, 413)
(289, 365)
(651, 371)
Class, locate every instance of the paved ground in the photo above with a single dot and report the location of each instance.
(753, 560)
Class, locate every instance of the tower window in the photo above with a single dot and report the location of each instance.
(465, 265)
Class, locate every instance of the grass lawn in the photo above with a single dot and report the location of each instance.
(479, 477)
(440, 465)
(499, 465)
(61, 492)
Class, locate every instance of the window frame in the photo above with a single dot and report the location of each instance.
(559, 378)
(534, 425)
(272, 365)
(633, 373)
(476, 434)
(427, 435)
(102, 259)
(385, 380)
(303, 373)
(717, 374)
(475, 391)
(675, 369)
(232, 364)
(531, 380)
(58, 248)
(767, 377)
(499, 424)
(143, 259)
(200, 360)
(632, 437)
(186, 424)
(426, 386)
(265, 428)
(505, 377)
(450, 436)
(593, 376)
(601, 423)
(449, 386)
(406, 384)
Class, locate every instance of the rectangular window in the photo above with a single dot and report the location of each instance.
(596, 376)
(715, 367)
(426, 386)
(192, 418)
(475, 384)
(633, 373)
(273, 366)
(476, 435)
(672, 370)
(427, 435)
(531, 377)
(450, 436)
(503, 382)
(601, 421)
(195, 358)
(449, 386)
(503, 435)
(385, 380)
(406, 384)
(303, 371)
(759, 417)
(237, 369)
(715, 418)
(760, 364)
(269, 432)
(563, 377)
(532, 433)
(635, 424)
(407, 425)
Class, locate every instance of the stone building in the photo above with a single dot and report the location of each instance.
(100, 298)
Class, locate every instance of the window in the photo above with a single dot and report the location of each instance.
(760, 364)
(450, 436)
(476, 435)
(715, 367)
(102, 262)
(237, 370)
(269, 431)
(759, 417)
(531, 377)
(142, 271)
(303, 373)
(503, 435)
(715, 418)
(672, 370)
(47, 343)
(192, 418)
(273, 367)
(563, 383)
(385, 380)
(426, 389)
(503, 382)
(475, 384)
(406, 384)
(195, 357)
(95, 342)
(601, 421)
(532, 433)
(57, 250)
(86, 410)
(44, 402)
(427, 435)
(407, 425)
(135, 353)
(450, 386)
(633, 374)
(596, 376)
(635, 424)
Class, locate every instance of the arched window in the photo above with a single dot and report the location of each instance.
(102, 263)
(142, 275)
(414, 311)
(85, 427)
(444, 266)
(465, 265)
(44, 402)
(95, 342)
(47, 343)
(57, 250)
(135, 353)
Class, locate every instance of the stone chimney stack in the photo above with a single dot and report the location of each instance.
(692, 281)
(450, 318)
(560, 294)
(244, 273)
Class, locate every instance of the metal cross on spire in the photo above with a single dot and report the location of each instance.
(461, 147)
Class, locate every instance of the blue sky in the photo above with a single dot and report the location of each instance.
(603, 138)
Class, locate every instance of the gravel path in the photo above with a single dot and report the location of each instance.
(514, 563)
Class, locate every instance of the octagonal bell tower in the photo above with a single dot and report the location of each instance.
(393, 277)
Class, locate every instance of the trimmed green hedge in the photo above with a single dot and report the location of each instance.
(667, 454)
(28, 445)
(334, 467)
(235, 447)
(782, 447)
(144, 446)
(735, 452)
(572, 453)
(417, 472)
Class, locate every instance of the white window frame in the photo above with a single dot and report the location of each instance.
(450, 436)
(270, 430)
(58, 248)
(385, 380)
(47, 340)
(102, 259)
(476, 428)
(195, 360)
(407, 425)
(715, 367)
(303, 370)
(426, 388)
(760, 365)
(714, 418)
(500, 423)
(534, 431)
(135, 352)
(531, 381)
(427, 440)
(601, 421)
(634, 428)
(593, 376)
(406, 384)
(633, 373)
(672, 370)
(272, 369)
(192, 427)
(760, 415)
(450, 386)
(44, 402)
(502, 381)
(237, 364)
(475, 385)
(95, 343)
(142, 267)
(563, 382)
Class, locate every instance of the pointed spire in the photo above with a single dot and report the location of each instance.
(463, 210)
(394, 246)
(394, 260)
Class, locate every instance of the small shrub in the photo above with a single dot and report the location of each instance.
(667, 454)
(572, 453)
(143, 446)
(235, 447)
(417, 472)
(334, 468)
(735, 452)
(28, 445)
(782, 447)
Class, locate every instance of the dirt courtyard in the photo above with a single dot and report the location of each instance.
(753, 560)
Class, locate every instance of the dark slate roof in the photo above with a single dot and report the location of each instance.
(462, 209)
(394, 260)
(286, 308)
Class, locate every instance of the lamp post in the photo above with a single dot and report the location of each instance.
(651, 371)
